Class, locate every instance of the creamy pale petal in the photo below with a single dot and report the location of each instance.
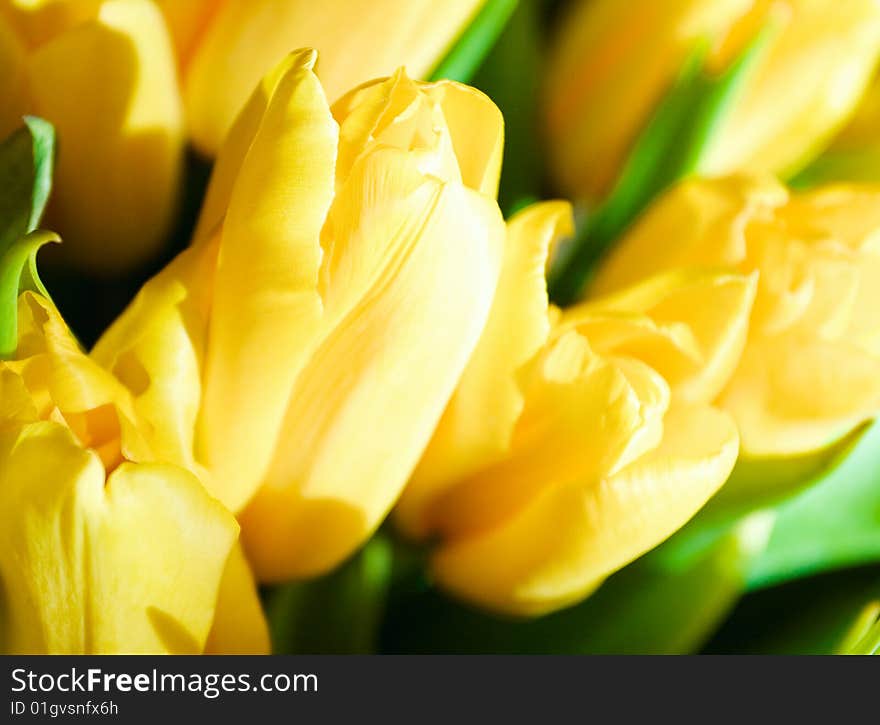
(267, 310)
(358, 41)
(109, 86)
(567, 540)
(130, 566)
(240, 626)
(156, 349)
(478, 423)
(413, 277)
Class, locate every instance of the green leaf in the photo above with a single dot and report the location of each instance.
(671, 146)
(655, 605)
(515, 92)
(815, 615)
(834, 523)
(26, 163)
(339, 613)
(474, 44)
(853, 165)
(18, 271)
(863, 636)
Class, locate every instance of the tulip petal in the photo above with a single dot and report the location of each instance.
(235, 148)
(571, 537)
(794, 395)
(608, 69)
(69, 544)
(61, 381)
(156, 349)
(468, 439)
(360, 41)
(109, 86)
(239, 624)
(12, 80)
(267, 310)
(699, 223)
(187, 22)
(692, 331)
(477, 130)
(409, 282)
(470, 122)
(584, 417)
(833, 44)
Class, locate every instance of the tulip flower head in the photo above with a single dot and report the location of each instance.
(603, 439)
(102, 550)
(300, 353)
(810, 372)
(103, 74)
(612, 62)
(224, 47)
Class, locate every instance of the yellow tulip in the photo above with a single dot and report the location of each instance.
(101, 549)
(612, 62)
(103, 73)
(300, 353)
(810, 372)
(577, 439)
(226, 47)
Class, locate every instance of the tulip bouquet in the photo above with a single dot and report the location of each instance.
(475, 326)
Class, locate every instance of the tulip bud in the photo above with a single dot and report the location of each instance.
(301, 352)
(226, 47)
(810, 372)
(101, 550)
(103, 74)
(602, 440)
(612, 62)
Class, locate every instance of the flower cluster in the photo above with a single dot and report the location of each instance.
(355, 333)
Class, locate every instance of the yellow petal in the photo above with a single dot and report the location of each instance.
(460, 129)
(61, 380)
(235, 148)
(467, 438)
(13, 80)
(156, 349)
(584, 417)
(407, 287)
(240, 626)
(836, 46)
(477, 130)
(698, 223)
(266, 307)
(109, 87)
(608, 68)
(571, 537)
(690, 326)
(357, 41)
(133, 566)
(38, 21)
(791, 396)
(188, 21)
